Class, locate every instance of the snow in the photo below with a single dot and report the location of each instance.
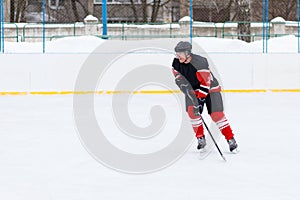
(91, 18)
(80, 44)
(204, 24)
(171, 25)
(285, 44)
(235, 25)
(42, 157)
(292, 23)
(278, 20)
(185, 19)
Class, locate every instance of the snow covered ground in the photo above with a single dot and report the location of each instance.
(42, 156)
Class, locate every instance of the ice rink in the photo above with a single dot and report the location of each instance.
(41, 156)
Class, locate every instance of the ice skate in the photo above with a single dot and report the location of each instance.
(232, 145)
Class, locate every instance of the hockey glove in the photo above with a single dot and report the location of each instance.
(198, 109)
(183, 85)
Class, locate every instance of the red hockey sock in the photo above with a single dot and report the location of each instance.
(227, 132)
(196, 122)
(223, 124)
(199, 131)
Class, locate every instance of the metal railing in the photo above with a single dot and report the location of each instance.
(127, 31)
(119, 31)
(12, 26)
(255, 27)
(257, 30)
(38, 27)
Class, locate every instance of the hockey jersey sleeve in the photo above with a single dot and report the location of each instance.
(179, 80)
(204, 77)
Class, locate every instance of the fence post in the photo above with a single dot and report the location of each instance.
(265, 17)
(90, 24)
(298, 6)
(191, 21)
(184, 24)
(74, 29)
(278, 24)
(123, 31)
(44, 21)
(1, 26)
(267, 24)
(104, 19)
(1, 4)
(170, 29)
(263, 24)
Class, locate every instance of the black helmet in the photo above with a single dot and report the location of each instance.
(184, 46)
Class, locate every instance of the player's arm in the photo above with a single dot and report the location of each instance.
(179, 79)
(204, 77)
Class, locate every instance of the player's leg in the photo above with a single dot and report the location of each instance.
(197, 124)
(215, 108)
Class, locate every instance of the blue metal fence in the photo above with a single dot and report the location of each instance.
(1, 26)
(265, 20)
(104, 18)
(298, 9)
(191, 21)
(44, 21)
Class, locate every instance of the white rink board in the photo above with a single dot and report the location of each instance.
(240, 65)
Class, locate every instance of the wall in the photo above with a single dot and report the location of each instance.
(58, 71)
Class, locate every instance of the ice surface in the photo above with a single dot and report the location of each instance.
(41, 156)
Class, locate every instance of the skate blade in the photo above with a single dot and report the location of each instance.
(235, 151)
(202, 150)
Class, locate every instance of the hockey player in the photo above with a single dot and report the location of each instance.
(193, 76)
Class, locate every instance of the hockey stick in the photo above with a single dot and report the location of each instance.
(213, 139)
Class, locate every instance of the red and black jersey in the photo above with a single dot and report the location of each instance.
(198, 74)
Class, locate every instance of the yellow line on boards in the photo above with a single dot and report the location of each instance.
(117, 92)
(285, 90)
(109, 92)
(13, 93)
(245, 91)
(157, 92)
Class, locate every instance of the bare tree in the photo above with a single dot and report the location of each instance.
(184, 8)
(223, 13)
(6, 5)
(75, 10)
(90, 7)
(284, 8)
(144, 9)
(17, 10)
(244, 17)
(155, 6)
(213, 10)
(84, 7)
(136, 17)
